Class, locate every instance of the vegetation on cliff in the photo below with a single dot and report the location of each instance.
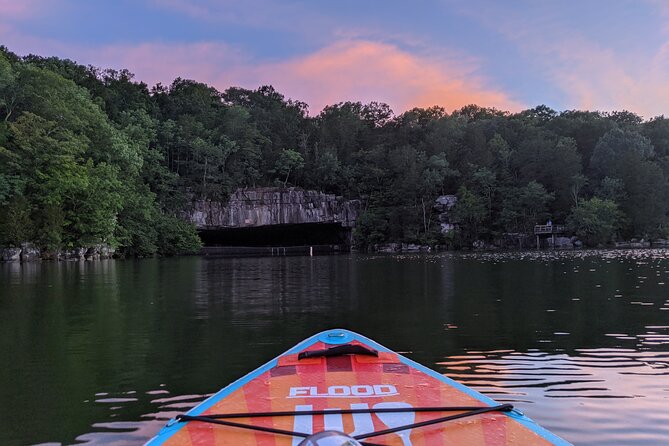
(91, 156)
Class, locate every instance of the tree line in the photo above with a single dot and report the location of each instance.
(91, 156)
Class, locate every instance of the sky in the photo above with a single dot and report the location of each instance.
(568, 54)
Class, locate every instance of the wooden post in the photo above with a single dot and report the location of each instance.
(537, 241)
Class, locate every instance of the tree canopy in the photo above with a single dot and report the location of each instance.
(89, 156)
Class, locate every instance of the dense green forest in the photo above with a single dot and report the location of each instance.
(91, 156)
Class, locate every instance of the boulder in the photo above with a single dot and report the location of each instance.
(30, 253)
(75, 254)
(563, 243)
(633, 243)
(447, 227)
(51, 255)
(388, 247)
(480, 245)
(105, 251)
(92, 254)
(444, 203)
(10, 254)
(443, 206)
(660, 243)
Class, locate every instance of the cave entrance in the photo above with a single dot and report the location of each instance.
(303, 234)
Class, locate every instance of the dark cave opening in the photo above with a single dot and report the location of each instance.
(304, 234)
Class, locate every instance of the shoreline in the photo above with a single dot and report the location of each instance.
(319, 250)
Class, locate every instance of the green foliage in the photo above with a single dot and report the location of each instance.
(647, 198)
(617, 149)
(51, 227)
(612, 189)
(469, 213)
(550, 160)
(288, 161)
(329, 171)
(9, 88)
(371, 228)
(625, 160)
(485, 182)
(136, 232)
(584, 127)
(15, 224)
(657, 131)
(82, 198)
(595, 221)
(524, 207)
(176, 237)
(10, 185)
(70, 170)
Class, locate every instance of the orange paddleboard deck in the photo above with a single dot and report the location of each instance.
(341, 381)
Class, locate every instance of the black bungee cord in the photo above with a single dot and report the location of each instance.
(469, 411)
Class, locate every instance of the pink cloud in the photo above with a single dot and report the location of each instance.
(352, 70)
(367, 71)
(597, 77)
(355, 70)
(590, 74)
(150, 62)
(212, 63)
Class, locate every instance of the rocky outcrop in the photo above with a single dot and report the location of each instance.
(274, 206)
(98, 252)
(10, 254)
(29, 253)
(74, 254)
(400, 247)
(443, 206)
(562, 242)
(633, 244)
(481, 245)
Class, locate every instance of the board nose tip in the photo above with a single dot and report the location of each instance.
(336, 336)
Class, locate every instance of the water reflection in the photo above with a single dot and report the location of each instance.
(591, 395)
(577, 339)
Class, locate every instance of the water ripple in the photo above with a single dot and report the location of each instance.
(582, 386)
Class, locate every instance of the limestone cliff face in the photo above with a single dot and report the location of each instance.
(274, 206)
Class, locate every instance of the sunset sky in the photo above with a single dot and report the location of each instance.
(586, 54)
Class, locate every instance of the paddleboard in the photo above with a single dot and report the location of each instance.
(339, 381)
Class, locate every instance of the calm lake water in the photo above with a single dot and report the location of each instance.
(106, 352)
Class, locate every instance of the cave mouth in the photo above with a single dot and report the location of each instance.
(303, 234)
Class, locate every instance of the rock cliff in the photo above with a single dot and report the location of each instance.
(28, 253)
(274, 206)
(444, 205)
